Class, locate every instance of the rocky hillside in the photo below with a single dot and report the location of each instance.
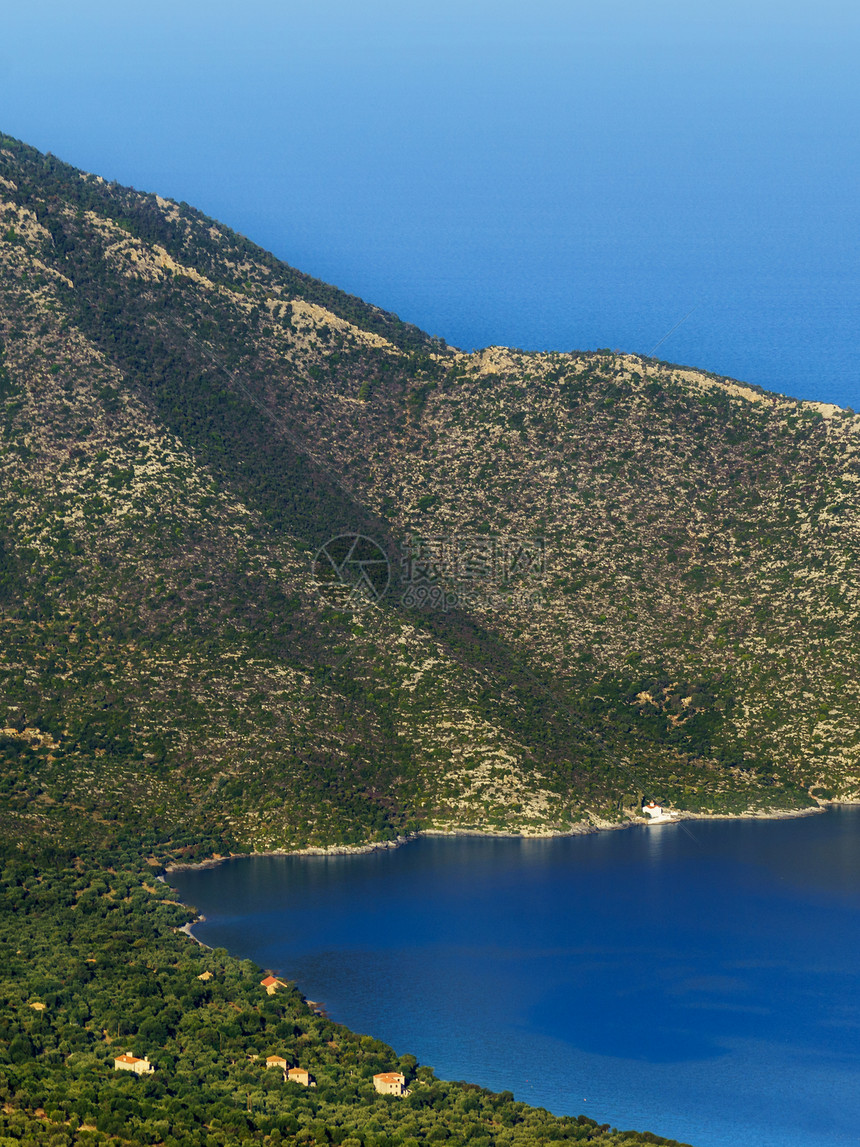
(583, 579)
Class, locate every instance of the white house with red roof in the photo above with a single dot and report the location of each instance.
(656, 813)
(126, 1062)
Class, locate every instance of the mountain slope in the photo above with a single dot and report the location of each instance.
(610, 577)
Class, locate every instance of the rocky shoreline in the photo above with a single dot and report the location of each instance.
(548, 834)
(330, 850)
(579, 830)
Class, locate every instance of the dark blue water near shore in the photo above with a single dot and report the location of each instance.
(696, 980)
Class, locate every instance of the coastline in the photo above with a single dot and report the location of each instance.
(549, 834)
(186, 930)
(641, 844)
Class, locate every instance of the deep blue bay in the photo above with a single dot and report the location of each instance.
(699, 980)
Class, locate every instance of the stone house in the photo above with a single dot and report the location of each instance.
(390, 1083)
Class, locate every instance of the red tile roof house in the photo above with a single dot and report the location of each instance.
(276, 1061)
(271, 984)
(126, 1062)
(390, 1083)
(299, 1075)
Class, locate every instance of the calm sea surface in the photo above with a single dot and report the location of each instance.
(697, 980)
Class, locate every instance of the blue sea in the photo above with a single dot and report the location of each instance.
(698, 980)
(670, 178)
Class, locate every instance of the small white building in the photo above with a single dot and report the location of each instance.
(390, 1083)
(658, 814)
(126, 1062)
